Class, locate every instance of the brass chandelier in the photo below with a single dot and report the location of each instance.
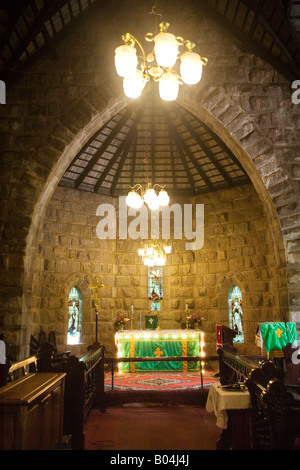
(138, 195)
(136, 70)
(154, 252)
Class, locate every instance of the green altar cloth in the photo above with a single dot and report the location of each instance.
(276, 335)
(159, 343)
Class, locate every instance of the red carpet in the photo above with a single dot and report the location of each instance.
(169, 388)
(159, 381)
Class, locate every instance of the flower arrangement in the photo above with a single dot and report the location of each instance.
(120, 321)
(194, 320)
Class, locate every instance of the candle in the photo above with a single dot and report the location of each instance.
(140, 321)
(131, 308)
(186, 307)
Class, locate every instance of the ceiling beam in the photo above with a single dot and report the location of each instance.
(206, 150)
(103, 147)
(123, 147)
(182, 145)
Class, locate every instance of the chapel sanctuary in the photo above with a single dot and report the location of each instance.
(150, 226)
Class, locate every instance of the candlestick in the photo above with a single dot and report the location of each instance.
(94, 288)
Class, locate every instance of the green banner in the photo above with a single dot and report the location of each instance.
(277, 335)
(151, 322)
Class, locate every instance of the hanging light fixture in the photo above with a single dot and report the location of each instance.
(138, 195)
(136, 70)
(154, 253)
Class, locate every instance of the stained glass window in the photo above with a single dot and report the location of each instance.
(74, 316)
(235, 307)
(155, 286)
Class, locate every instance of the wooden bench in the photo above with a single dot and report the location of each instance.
(275, 408)
(275, 412)
(84, 384)
(84, 387)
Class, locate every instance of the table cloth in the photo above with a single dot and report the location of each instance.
(160, 343)
(219, 401)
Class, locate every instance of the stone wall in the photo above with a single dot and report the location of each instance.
(238, 249)
(58, 103)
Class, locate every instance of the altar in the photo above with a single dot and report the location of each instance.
(160, 343)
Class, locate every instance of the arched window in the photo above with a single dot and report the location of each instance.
(235, 304)
(155, 287)
(74, 316)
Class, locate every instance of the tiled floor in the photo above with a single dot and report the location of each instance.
(151, 427)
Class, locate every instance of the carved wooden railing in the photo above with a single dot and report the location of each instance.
(234, 368)
(94, 378)
(275, 412)
(83, 389)
(21, 368)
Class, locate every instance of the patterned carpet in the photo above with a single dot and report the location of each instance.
(168, 388)
(159, 381)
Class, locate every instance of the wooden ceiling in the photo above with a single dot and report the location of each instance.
(268, 28)
(152, 141)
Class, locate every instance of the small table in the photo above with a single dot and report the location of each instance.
(232, 410)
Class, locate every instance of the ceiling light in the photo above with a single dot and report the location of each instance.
(138, 69)
(149, 196)
(153, 252)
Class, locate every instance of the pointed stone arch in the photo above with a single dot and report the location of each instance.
(235, 128)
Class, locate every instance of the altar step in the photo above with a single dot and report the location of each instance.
(170, 397)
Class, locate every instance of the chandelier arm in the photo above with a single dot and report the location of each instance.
(136, 187)
(128, 38)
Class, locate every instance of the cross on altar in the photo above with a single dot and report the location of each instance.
(278, 332)
(158, 352)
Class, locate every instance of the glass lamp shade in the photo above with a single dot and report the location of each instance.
(149, 251)
(160, 260)
(126, 60)
(153, 204)
(163, 198)
(134, 85)
(168, 249)
(166, 49)
(148, 261)
(169, 87)
(191, 68)
(134, 200)
(150, 198)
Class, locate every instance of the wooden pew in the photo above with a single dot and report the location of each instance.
(275, 412)
(84, 387)
(22, 368)
(84, 384)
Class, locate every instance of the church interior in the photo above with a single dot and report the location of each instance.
(117, 308)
